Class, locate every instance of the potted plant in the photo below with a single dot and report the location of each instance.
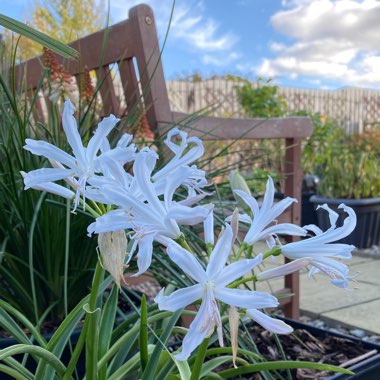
(348, 167)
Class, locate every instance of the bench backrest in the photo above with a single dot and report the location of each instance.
(132, 40)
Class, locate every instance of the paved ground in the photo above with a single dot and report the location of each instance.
(358, 308)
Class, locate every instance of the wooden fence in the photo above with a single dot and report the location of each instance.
(355, 109)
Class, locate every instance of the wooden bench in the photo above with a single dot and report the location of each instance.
(135, 40)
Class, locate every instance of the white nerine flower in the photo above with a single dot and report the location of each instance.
(212, 286)
(320, 251)
(266, 214)
(79, 168)
(187, 151)
(144, 213)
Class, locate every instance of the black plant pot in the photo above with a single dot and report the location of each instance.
(367, 231)
(367, 369)
(308, 212)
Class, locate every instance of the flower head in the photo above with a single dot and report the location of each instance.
(211, 286)
(265, 215)
(141, 210)
(187, 151)
(320, 250)
(78, 169)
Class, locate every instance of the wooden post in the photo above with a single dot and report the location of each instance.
(293, 185)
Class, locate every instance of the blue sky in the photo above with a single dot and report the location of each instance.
(299, 43)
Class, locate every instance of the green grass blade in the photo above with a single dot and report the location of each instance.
(21, 370)
(130, 366)
(121, 357)
(210, 365)
(150, 369)
(9, 325)
(24, 321)
(106, 326)
(92, 341)
(199, 360)
(143, 340)
(132, 332)
(12, 372)
(36, 351)
(268, 366)
(41, 38)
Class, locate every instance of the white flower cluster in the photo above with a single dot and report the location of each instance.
(144, 203)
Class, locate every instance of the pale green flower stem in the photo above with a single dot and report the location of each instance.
(275, 251)
(183, 243)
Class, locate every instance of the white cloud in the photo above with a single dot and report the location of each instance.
(331, 39)
(276, 46)
(189, 25)
(220, 61)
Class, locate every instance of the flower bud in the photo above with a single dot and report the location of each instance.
(237, 182)
(283, 270)
(235, 224)
(208, 226)
(234, 317)
(113, 249)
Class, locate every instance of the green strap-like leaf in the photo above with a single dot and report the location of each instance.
(106, 326)
(151, 368)
(143, 339)
(281, 364)
(39, 37)
(210, 365)
(42, 353)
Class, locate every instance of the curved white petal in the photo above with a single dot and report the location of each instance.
(236, 270)
(187, 262)
(248, 299)
(283, 270)
(103, 129)
(338, 272)
(69, 125)
(280, 206)
(56, 189)
(120, 155)
(271, 324)
(188, 215)
(125, 140)
(173, 182)
(200, 328)
(50, 151)
(336, 266)
(183, 155)
(268, 196)
(112, 221)
(313, 228)
(283, 228)
(179, 298)
(40, 176)
(307, 248)
(249, 201)
(208, 228)
(220, 253)
(144, 255)
(333, 215)
(142, 169)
